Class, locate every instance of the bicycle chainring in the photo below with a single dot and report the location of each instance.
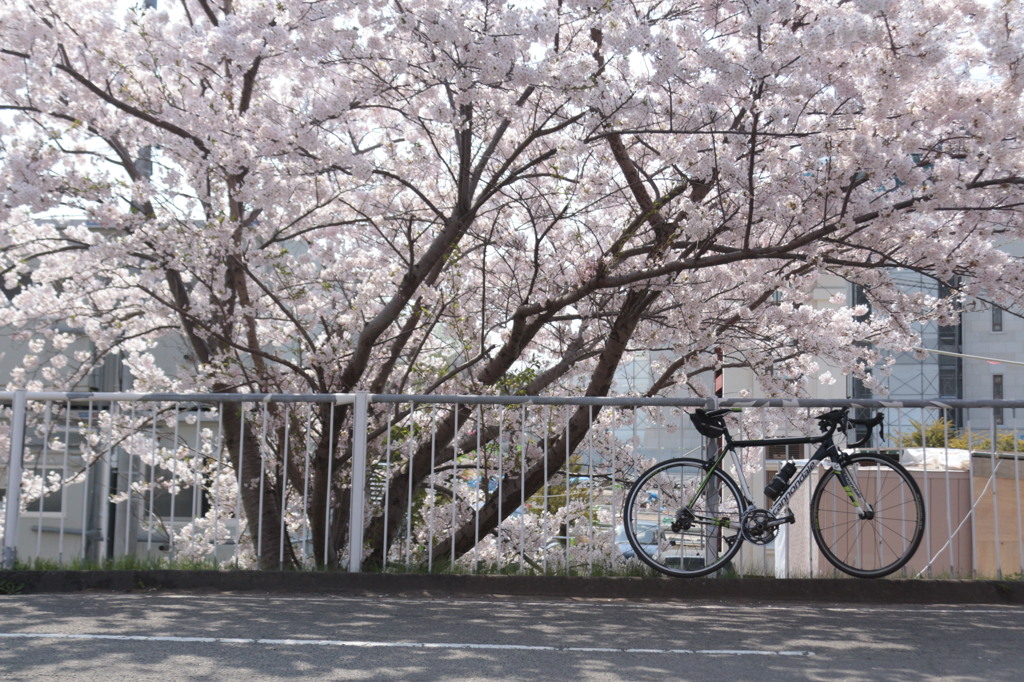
(755, 526)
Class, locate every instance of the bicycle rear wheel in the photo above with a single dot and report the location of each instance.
(880, 542)
(683, 521)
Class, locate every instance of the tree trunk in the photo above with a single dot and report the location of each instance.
(423, 464)
(262, 509)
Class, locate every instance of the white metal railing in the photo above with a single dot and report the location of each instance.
(449, 483)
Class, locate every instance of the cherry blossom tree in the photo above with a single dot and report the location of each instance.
(454, 197)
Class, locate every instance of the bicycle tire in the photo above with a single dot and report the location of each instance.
(709, 534)
(868, 547)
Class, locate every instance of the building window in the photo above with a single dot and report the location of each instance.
(997, 394)
(172, 503)
(785, 452)
(997, 319)
(47, 466)
(949, 377)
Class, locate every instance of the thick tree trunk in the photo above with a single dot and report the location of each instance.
(330, 493)
(262, 507)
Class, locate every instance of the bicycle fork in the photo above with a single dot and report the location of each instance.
(853, 491)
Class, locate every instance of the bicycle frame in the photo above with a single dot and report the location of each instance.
(827, 449)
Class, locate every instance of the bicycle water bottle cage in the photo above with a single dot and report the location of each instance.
(710, 427)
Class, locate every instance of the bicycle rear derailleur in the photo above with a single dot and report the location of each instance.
(683, 521)
(760, 526)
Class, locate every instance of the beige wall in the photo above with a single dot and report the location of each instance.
(998, 491)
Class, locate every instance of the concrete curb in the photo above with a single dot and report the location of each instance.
(548, 587)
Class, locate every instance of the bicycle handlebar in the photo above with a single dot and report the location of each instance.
(840, 419)
(877, 420)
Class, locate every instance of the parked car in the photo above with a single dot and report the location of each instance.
(650, 537)
(647, 533)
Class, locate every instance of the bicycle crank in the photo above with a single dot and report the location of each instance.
(760, 526)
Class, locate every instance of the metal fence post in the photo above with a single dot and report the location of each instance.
(358, 499)
(14, 464)
(712, 446)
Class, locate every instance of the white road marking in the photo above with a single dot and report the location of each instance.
(368, 644)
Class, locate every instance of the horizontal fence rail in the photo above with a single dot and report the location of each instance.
(509, 484)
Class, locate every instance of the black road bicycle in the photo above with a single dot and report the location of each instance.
(688, 517)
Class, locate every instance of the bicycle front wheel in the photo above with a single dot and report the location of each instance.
(873, 542)
(683, 520)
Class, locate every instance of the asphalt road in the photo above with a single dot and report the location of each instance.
(150, 636)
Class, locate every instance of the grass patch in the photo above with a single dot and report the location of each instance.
(528, 567)
(125, 563)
